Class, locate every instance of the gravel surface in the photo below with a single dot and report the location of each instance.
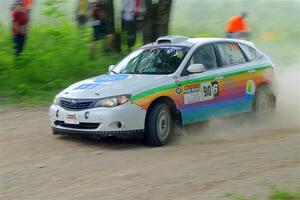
(213, 159)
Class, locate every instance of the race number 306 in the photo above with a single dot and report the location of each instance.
(210, 89)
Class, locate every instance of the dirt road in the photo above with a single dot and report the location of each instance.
(207, 165)
(232, 155)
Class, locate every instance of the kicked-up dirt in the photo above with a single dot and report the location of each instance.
(205, 165)
(213, 159)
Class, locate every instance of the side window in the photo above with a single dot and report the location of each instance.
(230, 54)
(204, 55)
(251, 53)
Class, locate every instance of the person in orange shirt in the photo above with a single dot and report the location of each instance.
(237, 27)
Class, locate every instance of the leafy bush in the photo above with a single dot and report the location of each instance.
(54, 57)
(56, 53)
(276, 194)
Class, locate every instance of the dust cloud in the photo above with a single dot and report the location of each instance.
(286, 118)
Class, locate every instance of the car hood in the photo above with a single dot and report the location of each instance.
(116, 84)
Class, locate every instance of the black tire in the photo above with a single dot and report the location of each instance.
(55, 132)
(264, 104)
(159, 125)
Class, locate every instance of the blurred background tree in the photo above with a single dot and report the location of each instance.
(156, 18)
(109, 7)
(56, 56)
(53, 8)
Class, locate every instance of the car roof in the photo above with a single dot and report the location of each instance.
(191, 41)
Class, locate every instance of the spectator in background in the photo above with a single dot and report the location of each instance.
(98, 24)
(27, 5)
(82, 13)
(19, 26)
(132, 10)
(237, 27)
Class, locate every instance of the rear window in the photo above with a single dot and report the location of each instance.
(230, 54)
(250, 52)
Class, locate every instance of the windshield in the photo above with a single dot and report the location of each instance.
(153, 60)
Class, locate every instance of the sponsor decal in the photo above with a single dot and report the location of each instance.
(192, 93)
(250, 87)
(100, 80)
(115, 77)
(205, 91)
(178, 90)
(86, 86)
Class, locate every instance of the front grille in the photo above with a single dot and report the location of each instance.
(81, 125)
(77, 104)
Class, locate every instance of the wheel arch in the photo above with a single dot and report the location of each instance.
(267, 87)
(176, 114)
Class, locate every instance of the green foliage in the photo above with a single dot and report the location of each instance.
(54, 58)
(276, 194)
(280, 194)
(56, 54)
(53, 8)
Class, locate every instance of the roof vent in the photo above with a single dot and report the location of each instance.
(171, 39)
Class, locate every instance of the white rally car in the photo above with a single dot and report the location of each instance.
(162, 86)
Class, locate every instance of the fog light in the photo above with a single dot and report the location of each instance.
(86, 114)
(57, 113)
(119, 124)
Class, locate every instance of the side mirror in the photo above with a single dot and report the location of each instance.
(110, 68)
(195, 68)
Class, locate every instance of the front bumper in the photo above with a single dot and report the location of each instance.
(100, 134)
(100, 121)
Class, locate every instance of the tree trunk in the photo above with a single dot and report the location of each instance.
(163, 17)
(110, 19)
(157, 18)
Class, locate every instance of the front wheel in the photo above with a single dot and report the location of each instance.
(159, 125)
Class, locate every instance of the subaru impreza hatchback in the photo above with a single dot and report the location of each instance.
(165, 85)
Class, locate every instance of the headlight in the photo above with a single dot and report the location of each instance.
(56, 100)
(113, 101)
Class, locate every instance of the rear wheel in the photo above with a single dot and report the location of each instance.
(159, 125)
(264, 103)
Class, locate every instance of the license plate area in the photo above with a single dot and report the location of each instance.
(71, 118)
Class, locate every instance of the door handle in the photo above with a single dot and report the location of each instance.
(251, 71)
(219, 78)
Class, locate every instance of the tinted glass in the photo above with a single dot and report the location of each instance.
(153, 60)
(205, 56)
(231, 54)
(250, 52)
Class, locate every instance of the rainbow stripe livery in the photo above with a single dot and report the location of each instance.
(234, 94)
(174, 80)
